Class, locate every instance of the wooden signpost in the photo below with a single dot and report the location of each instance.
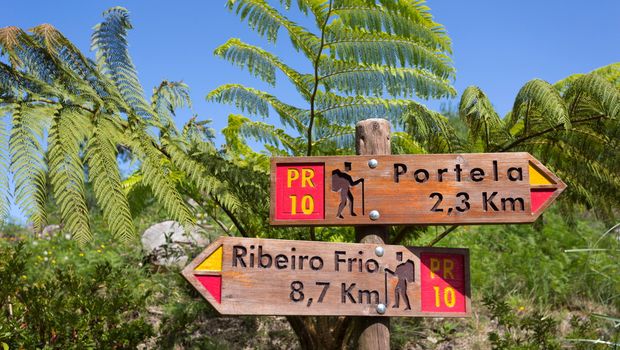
(410, 189)
(248, 276)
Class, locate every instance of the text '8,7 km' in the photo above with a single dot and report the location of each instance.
(280, 277)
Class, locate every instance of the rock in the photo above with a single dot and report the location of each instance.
(50, 230)
(167, 243)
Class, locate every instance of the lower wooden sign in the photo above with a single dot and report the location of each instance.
(248, 276)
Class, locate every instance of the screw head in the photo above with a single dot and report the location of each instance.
(381, 309)
(373, 163)
(379, 251)
(374, 215)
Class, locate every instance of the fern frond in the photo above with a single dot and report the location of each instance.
(339, 109)
(258, 102)
(610, 72)
(201, 178)
(109, 41)
(592, 94)
(262, 64)
(27, 161)
(342, 136)
(538, 103)
(68, 130)
(403, 143)
(69, 56)
(105, 177)
(374, 79)
(14, 83)
(480, 117)
(402, 18)
(4, 164)
(271, 135)
(381, 48)
(167, 97)
(430, 129)
(199, 134)
(155, 171)
(25, 54)
(266, 21)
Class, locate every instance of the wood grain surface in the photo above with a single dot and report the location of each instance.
(439, 189)
(282, 277)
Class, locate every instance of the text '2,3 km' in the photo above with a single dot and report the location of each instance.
(410, 189)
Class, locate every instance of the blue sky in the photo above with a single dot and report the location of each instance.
(498, 45)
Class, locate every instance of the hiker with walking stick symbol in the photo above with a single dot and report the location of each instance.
(342, 182)
(405, 273)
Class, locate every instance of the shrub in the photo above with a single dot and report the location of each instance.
(55, 295)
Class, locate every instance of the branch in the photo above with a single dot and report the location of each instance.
(443, 235)
(48, 101)
(403, 231)
(558, 127)
(316, 79)
(232, 217)
(222, 226)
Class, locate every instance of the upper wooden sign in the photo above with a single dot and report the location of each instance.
(476, 188)
(248, 276)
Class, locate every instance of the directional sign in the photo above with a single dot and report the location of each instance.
(474, 188)
(246, 276)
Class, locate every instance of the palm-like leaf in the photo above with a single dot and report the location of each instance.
(67, 132)
(572, 126)
(359, 52)
(109, 40)
(27, 160)
(106, 179)
(482, 122)
(88, 110)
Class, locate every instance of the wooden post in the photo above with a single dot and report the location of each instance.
(372, 136)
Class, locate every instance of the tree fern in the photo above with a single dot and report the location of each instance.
(155, 171)
(359, 51)
(4, 164)
(262, 64)
(167, 97)
(430, 129)
(539, 102)
(572, 126)
(90, 110)
(258, 103)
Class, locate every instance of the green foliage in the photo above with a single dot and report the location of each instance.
(525, 329)
(529, 331)
(66, 169)
(359, 51)
(85, 112)
(531, 263)
(28, 163)
(572, 126)
(56, 295)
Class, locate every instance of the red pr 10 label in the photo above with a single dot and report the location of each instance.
(443, 282)
(300, 191)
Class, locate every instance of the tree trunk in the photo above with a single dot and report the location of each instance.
(372, 136)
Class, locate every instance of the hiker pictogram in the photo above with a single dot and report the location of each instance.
(342, 182)
(405, 273)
